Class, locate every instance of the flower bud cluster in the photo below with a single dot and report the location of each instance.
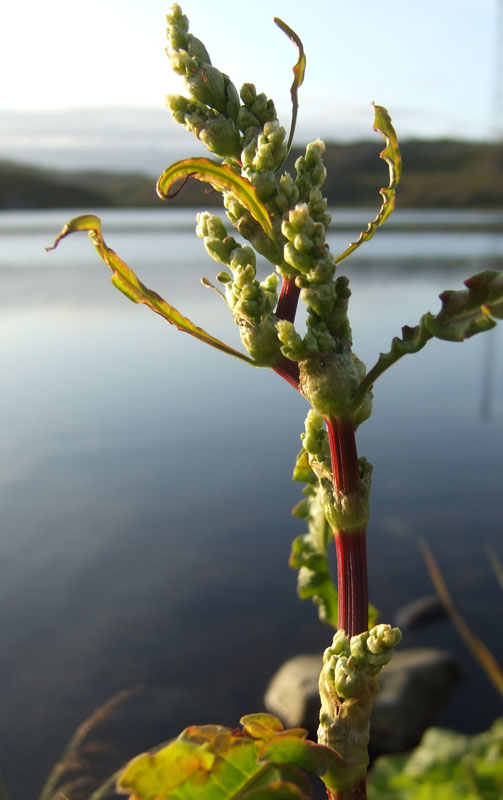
(311, 174)
(314, 440)
(288, 195)
(315, 444)
(292, 345)
(348, 685)
(266, 150)
(329, 301)
(305, 252)
(215, 101)
(349, 663)
(374, 648)
(216, 132)
(247, 298)
(250, 229)
(256, 109)
(328, 328)
(261, 157)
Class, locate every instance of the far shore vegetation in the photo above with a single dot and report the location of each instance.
(439, 174)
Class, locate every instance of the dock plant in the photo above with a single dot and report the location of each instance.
(282, 216)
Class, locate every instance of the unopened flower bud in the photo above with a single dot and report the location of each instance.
(292, 345)
(248, 94)
(221, 137)
(210, 225)
(261, 340)
(243, 257)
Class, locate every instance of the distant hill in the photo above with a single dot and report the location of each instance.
(436, 174)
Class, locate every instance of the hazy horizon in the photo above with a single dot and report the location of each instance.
(132, 139)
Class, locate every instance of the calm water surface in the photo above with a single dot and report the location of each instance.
(145, 488)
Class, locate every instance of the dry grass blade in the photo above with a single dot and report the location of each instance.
(69, 760)
(496, 564)
(4, 795)
(106, 788)
(477, 648)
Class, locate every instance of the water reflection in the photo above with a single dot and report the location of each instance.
(145, 484)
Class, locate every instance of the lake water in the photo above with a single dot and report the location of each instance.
(145, 488)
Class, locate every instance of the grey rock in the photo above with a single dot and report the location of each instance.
(420, 612)
(414, 687)
(292, 694)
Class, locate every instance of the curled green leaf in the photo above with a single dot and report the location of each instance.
(223, 178)
(299, 70)
(310, 557)
(463, 314)
(127, 282)
(391, 155)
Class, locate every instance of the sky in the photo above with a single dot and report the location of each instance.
(84, 84)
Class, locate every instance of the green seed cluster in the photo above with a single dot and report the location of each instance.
(315, 439)
(349, 663)
(190, 59)
(252, 303)
(216, 132)
(348, 685)
(247, 298)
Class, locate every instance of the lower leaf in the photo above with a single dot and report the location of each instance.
(260, 761)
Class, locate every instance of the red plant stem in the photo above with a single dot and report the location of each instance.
(352, 584)
(288, 299)
(349, 456)
(351, 550)
(352, 581)
(335, 453)
(289, 370)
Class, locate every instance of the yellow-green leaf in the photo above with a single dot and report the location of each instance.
(390, 154)
(299, 70)
(221, 177)
(259, 762)
(129, 284)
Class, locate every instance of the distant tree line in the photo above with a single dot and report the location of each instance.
(437, 174)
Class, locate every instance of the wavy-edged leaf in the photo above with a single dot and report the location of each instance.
(309, 556)
(210, 762)
(221, 177)
(124, 279)
(463, 314)
(390, 154)
(299, 70)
